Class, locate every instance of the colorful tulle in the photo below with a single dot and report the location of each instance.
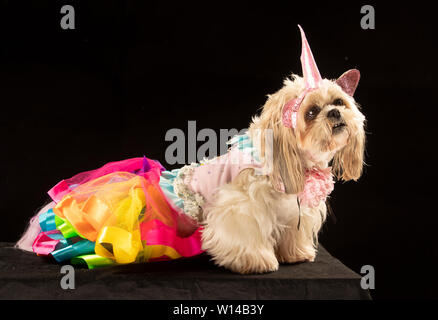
(117, 214)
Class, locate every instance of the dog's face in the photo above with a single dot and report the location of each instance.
(327, 122)
(330, 127)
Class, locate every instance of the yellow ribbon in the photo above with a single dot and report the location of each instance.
(123, 242)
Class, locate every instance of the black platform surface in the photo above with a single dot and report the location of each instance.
(24, 275)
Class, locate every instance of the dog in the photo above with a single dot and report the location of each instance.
(251, 226)
(264, 201)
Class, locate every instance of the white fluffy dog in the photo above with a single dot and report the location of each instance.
(252, 226)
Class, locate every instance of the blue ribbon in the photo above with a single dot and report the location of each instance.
(77, 249)
(47, 221)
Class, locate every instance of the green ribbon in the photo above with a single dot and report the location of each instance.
(92, 261)
(65, 227)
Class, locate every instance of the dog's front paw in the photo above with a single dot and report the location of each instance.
(306, 256)
(253, 262)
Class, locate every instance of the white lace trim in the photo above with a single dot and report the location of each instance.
(193, 201)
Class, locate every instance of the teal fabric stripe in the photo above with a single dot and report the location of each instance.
(166, 183)
(74, 250)
(47, 221)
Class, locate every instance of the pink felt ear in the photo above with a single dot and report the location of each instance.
(349, 81)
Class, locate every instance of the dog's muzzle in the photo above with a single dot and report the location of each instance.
(338, 123)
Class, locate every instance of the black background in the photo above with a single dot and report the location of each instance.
(72, 100)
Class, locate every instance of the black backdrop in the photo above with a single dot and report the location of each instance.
(72, 100)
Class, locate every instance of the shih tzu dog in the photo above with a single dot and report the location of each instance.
(260, 204)
(258, 221)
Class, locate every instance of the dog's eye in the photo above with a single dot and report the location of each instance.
(338, 102)
(312, 112)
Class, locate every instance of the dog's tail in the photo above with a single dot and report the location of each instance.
(33, 229)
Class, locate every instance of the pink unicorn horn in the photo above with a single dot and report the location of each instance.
(312, 78)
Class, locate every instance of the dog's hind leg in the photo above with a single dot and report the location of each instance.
(239, 229)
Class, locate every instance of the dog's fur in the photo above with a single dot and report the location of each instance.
(250, 226)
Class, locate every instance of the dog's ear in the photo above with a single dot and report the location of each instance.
(348, 81)
(348, 162)
(287, 162)
(287, 166)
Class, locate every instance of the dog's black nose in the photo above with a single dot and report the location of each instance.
(334, 113)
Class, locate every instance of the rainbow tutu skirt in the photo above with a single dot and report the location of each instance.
(117, 214)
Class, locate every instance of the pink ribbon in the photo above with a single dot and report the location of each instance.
(157, 233)
(43, 244)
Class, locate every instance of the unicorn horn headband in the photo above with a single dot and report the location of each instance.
(312, 80)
